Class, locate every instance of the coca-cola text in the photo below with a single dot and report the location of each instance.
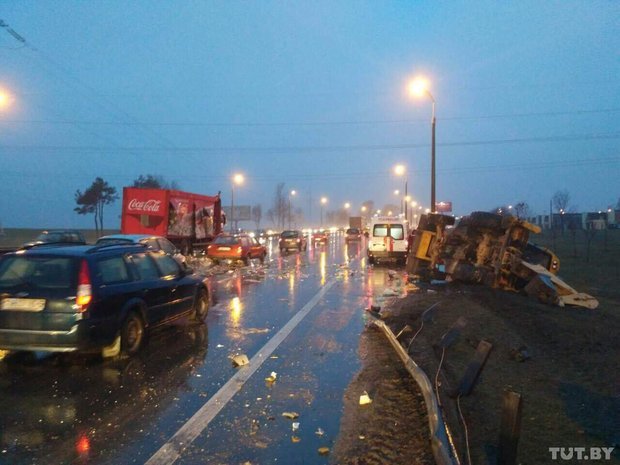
(151, 205)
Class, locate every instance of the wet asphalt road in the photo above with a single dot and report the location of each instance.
(77, 409)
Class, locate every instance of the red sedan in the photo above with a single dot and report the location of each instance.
(239, 247)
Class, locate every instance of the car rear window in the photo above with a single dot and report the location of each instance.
(380, 230)
(32, 273)
(226, 240)
(289, 234)
(353, 231)
(397, 231)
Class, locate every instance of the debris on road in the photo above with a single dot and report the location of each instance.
(295, 439)
(295, 425)
(491, 249)
(272, 377)
(240, 360)
(319, 432)
(290, 415)
(323, 450)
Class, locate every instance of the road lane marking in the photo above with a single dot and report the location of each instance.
(172, 450)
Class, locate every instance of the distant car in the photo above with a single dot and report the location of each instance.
(60, 236)
(236, 247)
(320, 238)
(292, 240)
(261, 236)
(93, 297)
(353, 235)
(156, 243)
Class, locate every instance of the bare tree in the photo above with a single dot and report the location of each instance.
(151, 181)
(522, 210)
(257, 214)
(279, 210)
(560, 202)
(94, 198)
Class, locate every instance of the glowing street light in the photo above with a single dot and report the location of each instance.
(237, 180)
(323, 202)
(347, 205)
(5, 99)
(419, 88)
(293, 193)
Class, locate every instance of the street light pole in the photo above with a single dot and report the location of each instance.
(236, 179)
(419, 87)
(232, 206)
(433, 121)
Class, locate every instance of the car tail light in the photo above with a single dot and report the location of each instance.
(84, 290)
(239, 249)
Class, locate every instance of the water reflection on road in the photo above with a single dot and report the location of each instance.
(83, 410)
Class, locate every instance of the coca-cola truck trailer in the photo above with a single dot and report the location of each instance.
(190, 221)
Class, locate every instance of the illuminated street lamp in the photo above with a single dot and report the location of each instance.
(323, 202)
(347, 205)
(418, 88)
(401, 170)
(237, 180)
(293, 193)
(5, 99)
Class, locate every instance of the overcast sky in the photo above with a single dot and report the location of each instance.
(310, 93)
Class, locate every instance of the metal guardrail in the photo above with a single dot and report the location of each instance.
(441, 444)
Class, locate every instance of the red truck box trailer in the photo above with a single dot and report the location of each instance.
(190, 221)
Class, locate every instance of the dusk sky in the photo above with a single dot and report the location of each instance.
(312, 94)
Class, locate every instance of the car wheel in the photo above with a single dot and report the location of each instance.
(215, 261)
(262, 258)
(132, 334)
(371, 260)
(246, 260)
(201, 306)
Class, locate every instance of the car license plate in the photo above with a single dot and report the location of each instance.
(223, 248)
(23, 305)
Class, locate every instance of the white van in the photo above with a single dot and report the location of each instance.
(387, 238)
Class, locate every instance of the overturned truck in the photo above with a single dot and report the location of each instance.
(490, 249)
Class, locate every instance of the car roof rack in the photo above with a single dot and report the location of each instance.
(97, 248)
(52, 244)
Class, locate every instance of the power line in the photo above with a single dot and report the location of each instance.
(385, 174)
(315, 123)
(287, 150)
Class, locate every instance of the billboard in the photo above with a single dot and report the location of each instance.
(443, 207)
(242, 212)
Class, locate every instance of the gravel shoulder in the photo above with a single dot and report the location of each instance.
(569, 380)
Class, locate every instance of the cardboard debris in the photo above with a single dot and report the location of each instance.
(271, 378)
(365, 399)
(323, 450)
(240, 360)
(295, 439)
(290, 415)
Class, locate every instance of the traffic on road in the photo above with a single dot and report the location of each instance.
(176, 394)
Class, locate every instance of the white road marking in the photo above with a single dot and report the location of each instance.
(171, 450)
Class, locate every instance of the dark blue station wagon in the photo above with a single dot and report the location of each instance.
(83, 298)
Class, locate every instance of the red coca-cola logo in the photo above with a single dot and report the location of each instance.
(151, 205)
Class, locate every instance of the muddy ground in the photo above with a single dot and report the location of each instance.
(562, 361)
